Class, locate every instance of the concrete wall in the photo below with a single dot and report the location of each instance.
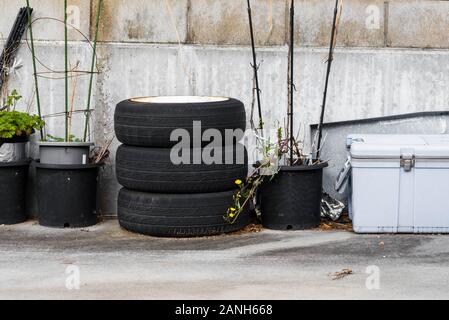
(392, 57)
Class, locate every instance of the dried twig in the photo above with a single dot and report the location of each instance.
(255, 66)
(290, 79)
(270, 20)
(337, 14)
(341, 274)
(72, 100)
(178, 38)
(102, 153)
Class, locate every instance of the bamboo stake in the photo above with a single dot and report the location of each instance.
(291, 85)
(33, 53)
(89, 96)
(66, 74)
(255, 66)
(72, 100)
(329, 66)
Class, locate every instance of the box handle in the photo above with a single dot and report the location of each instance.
(343, 176)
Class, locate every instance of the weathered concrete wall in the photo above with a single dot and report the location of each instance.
(418, 24)
(226, 22)
(364, 23)
(391, 58)
(44, 28)
(142, 21)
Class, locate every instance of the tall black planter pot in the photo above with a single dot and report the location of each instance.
(67, 195)
(15, 139)
(13, 182)
(292, 199)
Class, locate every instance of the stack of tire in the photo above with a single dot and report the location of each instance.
(161, 198)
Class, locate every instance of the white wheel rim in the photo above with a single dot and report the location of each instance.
(179, 99)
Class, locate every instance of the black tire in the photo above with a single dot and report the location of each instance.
(151, 169)
(177, 215)
(150, 124)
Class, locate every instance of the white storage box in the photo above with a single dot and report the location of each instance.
(400, 183)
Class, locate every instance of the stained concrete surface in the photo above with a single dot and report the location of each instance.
(115, 264)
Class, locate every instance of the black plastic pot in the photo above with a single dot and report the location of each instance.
(13, 182)
(291, 200)
(15, 139)
(67, 195)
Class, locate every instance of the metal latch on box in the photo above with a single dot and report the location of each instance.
(407, 161)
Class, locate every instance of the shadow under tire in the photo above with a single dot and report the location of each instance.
(177, 215)
(152, 170)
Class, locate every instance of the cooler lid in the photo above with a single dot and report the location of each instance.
(396, 146)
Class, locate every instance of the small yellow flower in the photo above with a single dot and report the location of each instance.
(232, 209)
(232, 215)
(238, 182)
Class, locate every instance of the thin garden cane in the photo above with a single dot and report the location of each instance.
(36, 84)
(291, 85)
(89, 97)
(255, 66)
(329, 66)
(66, 72)
(72, 99)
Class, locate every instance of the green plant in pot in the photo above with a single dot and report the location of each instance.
(15, 126)
(67, 172)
